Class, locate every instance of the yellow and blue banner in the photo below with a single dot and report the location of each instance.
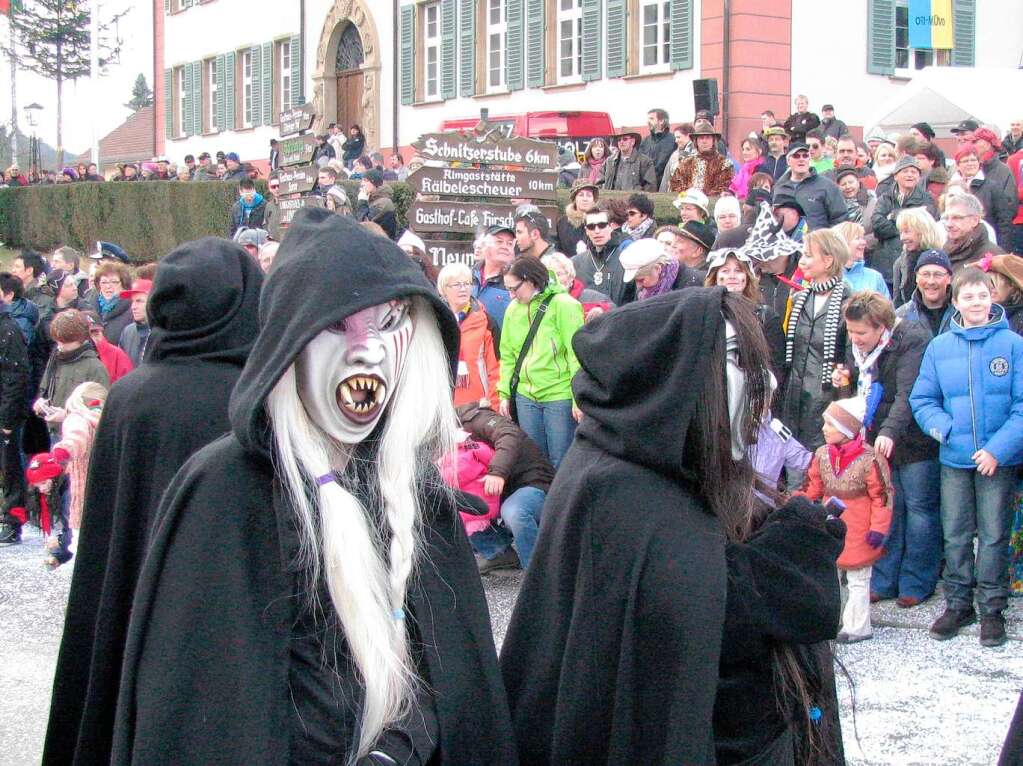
(930, 24)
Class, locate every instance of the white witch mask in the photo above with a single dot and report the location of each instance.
(346, 374)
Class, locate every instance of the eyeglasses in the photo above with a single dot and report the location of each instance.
(514, 289)
(814, 146)
(109, 282)
(952, 217)
(274, 187)
(801, 156)
(595, 226)
(932, 276)
(460, 285)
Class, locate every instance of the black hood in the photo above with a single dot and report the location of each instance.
(327, 268)
(204, 303)
(639, 397)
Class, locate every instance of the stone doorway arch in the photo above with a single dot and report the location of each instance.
(342, 15)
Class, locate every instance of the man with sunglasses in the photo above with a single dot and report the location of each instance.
(600, 267)
(819, 197)
(815, 144)
(272, 213)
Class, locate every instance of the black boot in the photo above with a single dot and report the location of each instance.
(992, 630)
(946, 626)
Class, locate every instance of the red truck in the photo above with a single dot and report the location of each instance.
(572, 130)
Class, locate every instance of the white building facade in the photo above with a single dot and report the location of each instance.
(399, 68)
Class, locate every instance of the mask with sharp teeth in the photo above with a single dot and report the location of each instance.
(347, 373)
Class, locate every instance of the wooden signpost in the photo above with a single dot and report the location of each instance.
(298, 150)
(466, 217)
(454, 147)
(485, 182)
(487, 168)
(297, 180)
(291, 205)
(296, 121)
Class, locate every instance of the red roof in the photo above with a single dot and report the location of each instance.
(132, 141)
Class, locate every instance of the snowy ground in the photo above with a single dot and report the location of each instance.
(919, 702)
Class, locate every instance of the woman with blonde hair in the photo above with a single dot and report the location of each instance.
(857, 274)
(885, 159)
(918, 231)
(478, 362)
(815, 336)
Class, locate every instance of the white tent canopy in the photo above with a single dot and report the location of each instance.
(944, 96)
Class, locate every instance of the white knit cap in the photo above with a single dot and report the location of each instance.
(846, 415)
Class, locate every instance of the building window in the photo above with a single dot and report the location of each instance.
(431, 46)
(211, 97)
(179, 77)
(909, 59)
(655, 34)
(247, 89)
(570, 40)
(496, 30)
(284, 81)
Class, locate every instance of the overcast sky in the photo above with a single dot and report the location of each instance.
(136, 29)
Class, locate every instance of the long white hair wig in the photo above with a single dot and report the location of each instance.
(345, 542)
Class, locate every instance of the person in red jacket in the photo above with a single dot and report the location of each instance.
(478, 364)
(847, 469)
(1015, 245)
(117, 362)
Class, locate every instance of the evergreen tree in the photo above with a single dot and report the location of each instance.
(141, 95)
(54, 40)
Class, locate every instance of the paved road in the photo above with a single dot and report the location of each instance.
(918, 702)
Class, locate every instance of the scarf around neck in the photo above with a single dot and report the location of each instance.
(832, 321)
(640, 231)
(842, 455)
(867, 363)
(106, 305)
(669, 272)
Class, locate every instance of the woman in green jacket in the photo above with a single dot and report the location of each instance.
(543, 398)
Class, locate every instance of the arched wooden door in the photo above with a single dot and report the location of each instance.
(348, 69)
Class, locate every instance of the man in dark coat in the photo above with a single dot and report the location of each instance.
(15, 379)
(203, 315)
(281, 679)
(660, 144)
(600, 268)
(628, 169)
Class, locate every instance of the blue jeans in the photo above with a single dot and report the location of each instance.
(912, 563)
(982, 504)
(549, 424)
(521, 513)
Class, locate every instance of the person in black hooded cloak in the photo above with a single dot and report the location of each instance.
(203, 311)
(309, 595)
(663, 618)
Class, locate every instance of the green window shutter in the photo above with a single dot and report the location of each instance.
(536, 44)
(186, 121)
(513, 44)
(268, 84)
(881, 36)
(617, 38)
(408, 56)
(681, 34)
(166, 6)
(257, 84)
(230, 115)
(467, 47)
(448, 53)
(593, 63)
(296, 72)
(964, 31)
(198, 88)
(221, 93)
(168, 102)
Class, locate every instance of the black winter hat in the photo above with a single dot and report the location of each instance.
(934, 258)
(926, 129)
(787, 200)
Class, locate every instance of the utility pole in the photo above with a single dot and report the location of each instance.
(14, 89)
(94, 74)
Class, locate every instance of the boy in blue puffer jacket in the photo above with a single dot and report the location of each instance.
(969, 396)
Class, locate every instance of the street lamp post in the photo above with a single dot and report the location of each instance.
(34, 155)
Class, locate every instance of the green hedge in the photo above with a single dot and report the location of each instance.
(149, 219)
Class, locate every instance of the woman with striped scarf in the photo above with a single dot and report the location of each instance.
(815, 336)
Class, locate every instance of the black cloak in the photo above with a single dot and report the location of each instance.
(206, 665)
(613, 649)
(203, 310)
